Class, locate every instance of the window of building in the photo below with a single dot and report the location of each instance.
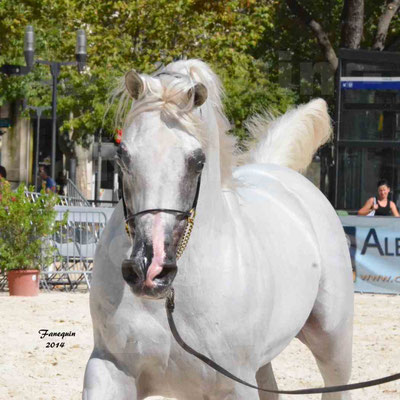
(368, 126)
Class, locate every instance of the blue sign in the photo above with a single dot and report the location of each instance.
(370, 83)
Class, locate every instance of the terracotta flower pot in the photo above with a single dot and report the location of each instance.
(23, 282)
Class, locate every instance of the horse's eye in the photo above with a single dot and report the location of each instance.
(196, 161)
(199, 166)
(122, 156)
(121, 150)
(120, 163)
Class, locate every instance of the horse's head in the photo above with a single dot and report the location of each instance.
(161, 159)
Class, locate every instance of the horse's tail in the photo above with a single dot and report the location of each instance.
(292, 139)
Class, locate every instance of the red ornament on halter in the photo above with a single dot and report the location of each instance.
(118, 136)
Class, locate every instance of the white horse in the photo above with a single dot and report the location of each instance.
(267, 260)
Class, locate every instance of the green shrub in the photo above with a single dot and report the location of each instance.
(24, 227)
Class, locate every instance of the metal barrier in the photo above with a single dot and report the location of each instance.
(103, 203)
(74, 246)
(64, 200)
(74, 193)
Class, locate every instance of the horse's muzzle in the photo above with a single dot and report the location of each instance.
(134, 273)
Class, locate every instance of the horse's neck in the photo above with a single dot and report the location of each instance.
(211, 208)
(211, 202)
(213, 216)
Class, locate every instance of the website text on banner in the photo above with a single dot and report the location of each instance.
(374, 244)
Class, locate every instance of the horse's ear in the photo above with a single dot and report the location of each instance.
(134, 84)
(199, 91)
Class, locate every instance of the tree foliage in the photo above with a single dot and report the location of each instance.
(310, 31)
(140, 34)
(241, 39)
(294, 35)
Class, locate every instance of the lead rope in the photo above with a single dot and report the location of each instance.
(170, 306)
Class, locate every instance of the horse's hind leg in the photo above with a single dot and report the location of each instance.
(332, 350)
(105, 381)
(266, 379)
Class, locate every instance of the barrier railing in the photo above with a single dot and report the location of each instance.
(74, 193)
(74, 246)
(64, 200)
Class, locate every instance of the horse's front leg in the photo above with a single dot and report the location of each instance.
(104, 380)
(234, 391)
(241, 393)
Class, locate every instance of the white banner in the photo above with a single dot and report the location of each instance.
(374, 244)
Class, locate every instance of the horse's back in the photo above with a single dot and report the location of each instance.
(284, 200)
(288, 197)
(295, 193)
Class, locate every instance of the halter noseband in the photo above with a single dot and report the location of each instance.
(189, 215)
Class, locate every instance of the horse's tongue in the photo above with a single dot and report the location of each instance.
(155, 267)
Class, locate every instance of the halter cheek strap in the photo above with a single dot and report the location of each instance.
(189, 215)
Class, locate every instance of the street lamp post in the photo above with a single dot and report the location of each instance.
(39, 111)
(55, 68)
(11, 69)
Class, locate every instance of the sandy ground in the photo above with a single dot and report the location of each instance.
(30, 371)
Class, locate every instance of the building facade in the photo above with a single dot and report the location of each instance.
(367, 128)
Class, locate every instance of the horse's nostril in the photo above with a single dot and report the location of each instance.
(131, 272)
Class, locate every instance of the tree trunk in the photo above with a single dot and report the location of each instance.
(352, 24)
(84, 163)
(83, 169)
(322, 38)
(390, 10)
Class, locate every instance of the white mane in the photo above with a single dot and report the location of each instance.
(290, 140)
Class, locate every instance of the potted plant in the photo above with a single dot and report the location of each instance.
(24, 226)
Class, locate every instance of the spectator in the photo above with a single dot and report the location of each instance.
(48, 182)
(380, 206)
(3, 172)
(62, 182)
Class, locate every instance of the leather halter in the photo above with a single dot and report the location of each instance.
(189, 215)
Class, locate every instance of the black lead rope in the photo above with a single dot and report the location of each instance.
(170, 305)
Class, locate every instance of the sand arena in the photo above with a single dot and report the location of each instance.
(30, 370)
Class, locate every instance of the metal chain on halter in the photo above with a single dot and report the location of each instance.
(186, 235)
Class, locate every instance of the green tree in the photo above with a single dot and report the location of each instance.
(140, 34)
(316, 29)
